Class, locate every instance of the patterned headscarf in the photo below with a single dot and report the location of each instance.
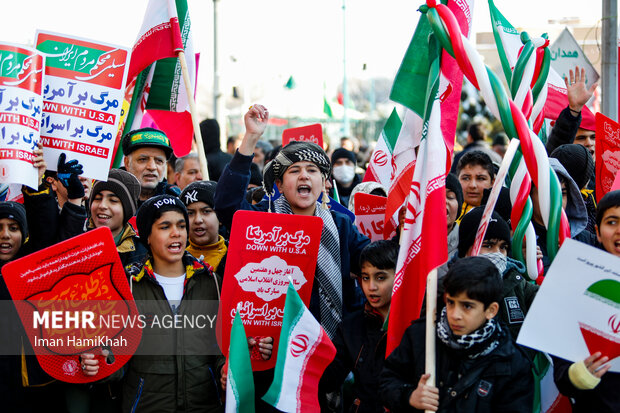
(291, 153)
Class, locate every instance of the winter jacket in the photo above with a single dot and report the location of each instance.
(498, 382)
(604, 398)
(130, 249)
(47, 224)
(230, 197)
(360, 347)
(517, 296)
(178, 381)
(564, 130)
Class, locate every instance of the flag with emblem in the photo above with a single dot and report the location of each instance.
(304, 351)
(239, 379)
(429, 84)
(159, 88)
(383, 167)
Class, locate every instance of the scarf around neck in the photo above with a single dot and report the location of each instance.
(328, 274)
(475, 344)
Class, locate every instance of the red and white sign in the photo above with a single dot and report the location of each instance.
(370, 215)
(266, 250)
(311, 133)
(82, 100)
(68, 297)
(607, 153)
(21, 87)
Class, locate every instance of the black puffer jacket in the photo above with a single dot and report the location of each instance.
(180, 382)
(498, 382)
(360, 345)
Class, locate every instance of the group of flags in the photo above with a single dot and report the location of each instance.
(411, 159)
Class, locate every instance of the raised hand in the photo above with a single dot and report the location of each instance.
(255, 121)
(578, 94)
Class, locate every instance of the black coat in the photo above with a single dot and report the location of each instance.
(604, 398)
(501, 381)
(360, 348)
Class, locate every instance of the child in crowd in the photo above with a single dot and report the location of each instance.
(589, 385)
(205, 242)
(517, 293)
(112, 203)
(299, 170)
(179, 381)
(479, 369)
(476, 173)
(361, 340)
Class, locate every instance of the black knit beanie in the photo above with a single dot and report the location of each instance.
(16, 212)
(343, 153)
(453, 184)
(497, 229)
(125, 186)
(610, 200)
(199, 191)
(577, 161)
(152, 209)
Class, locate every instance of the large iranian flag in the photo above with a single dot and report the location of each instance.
(160, 89)
(239, 379)
(509, 45)
(304, 351)
(431, 88)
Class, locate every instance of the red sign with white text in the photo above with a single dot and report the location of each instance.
(607, 151)
(63, 293)
(311, 133)
(370, 215)
(266, 250)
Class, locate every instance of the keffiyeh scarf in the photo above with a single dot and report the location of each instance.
(328, 274)
(475, 344)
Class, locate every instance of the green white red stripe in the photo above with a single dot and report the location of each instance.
(159, 36)
(304, 351)
(239, 380)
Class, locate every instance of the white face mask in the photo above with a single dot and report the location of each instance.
(344, 174)
(497, 258)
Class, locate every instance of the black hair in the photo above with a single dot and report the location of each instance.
(254, 194)
(477, 132)
(382, 254)
(477, 277)
(610, 200)
(476, 158)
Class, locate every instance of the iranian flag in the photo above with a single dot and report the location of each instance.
(159, 88)
(431, 89)
(239, 379)
(304, 351)
(509, 45)
(382, 165)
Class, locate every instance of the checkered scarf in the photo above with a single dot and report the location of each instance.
(327, 274)
(478, 343)
(291, 153)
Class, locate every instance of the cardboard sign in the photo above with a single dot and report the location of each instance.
(80, 279)
(576, 312)
(265, 250)
(370, 215)
(607, 151)
(82, 100)
(21, 86)
(311, 133)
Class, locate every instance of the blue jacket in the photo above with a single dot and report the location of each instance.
(230, 197)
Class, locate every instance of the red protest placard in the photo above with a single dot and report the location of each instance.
(310, 133)
(370, 215)
(265, 250)
(67, 297)
(607, 151)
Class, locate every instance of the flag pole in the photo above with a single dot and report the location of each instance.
(194, 113)
(431, 311)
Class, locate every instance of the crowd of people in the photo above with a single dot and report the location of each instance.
(173, 240)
